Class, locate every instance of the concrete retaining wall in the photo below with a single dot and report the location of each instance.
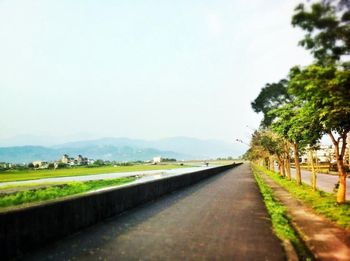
(29, 228)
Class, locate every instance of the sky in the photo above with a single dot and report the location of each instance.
(141, 69)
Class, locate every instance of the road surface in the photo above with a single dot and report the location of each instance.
(325, 182)
(220, 218)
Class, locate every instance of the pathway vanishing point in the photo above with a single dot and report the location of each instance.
(220, 218)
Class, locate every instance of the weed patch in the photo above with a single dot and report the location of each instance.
(58, 191)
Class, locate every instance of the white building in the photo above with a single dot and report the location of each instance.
(40, 164)
(324, 154)
(157, 159)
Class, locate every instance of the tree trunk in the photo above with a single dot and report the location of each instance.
(267, 162)
(272, 164)
(341, 194)
(287, 160)
(287, 165)
(316, 170)
(282, 168)
(313, 172)
(297, 163)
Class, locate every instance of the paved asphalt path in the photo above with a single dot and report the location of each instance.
(220, 218)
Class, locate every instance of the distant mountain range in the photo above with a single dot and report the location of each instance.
(124, 149)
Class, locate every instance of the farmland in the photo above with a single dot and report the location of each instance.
(29, 174)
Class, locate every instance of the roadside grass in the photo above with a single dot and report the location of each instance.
(19, 175)
(321, 202)
(280, 220)
(26, 186)
(58, 191)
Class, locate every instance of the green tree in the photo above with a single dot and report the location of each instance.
(62, 165)
(256, 151)
(51, 165)
(327, 26)
(325, 93)
(294, 122)
(283, 122)
(271, 96)
(99, 162)
(264, 145)
(276, 104)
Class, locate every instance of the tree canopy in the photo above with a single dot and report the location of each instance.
(271, 96)
(325, 92)
(327, 26)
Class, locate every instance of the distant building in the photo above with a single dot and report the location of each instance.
(80, 160)
(324, 154)
(65, 159)
(5, 165)
(40, 164)
(157, 159)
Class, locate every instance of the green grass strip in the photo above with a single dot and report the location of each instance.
(321, 202)
(53, 192)
(280, 220)
(28, 174)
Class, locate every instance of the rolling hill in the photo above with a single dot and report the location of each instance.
(124, 149)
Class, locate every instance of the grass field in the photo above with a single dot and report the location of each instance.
(58, 191)
(321, 202)
(16, 175)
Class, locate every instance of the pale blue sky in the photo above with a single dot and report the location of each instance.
(141, 69)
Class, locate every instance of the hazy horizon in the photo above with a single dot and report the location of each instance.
(23, 140)
(122, 149)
